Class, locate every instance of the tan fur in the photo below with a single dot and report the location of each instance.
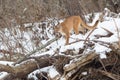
(73, 23)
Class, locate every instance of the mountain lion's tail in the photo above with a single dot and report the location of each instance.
(90, 27)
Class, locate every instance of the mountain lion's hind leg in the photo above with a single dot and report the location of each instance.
(76, 27)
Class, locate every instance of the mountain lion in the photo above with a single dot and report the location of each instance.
(73, 23)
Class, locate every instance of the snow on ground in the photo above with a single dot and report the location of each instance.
(50, 70)
(2, 75)
(108, 24)
(100, 49)
(6, 63)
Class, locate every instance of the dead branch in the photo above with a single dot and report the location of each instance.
(66, 76)
(107, 30)
(107, 35)
(74, 66)
(91, 40)
(102, 64)
(83, 60)
(88, 36)
(23, 69)
(110, 75)
(32, 52)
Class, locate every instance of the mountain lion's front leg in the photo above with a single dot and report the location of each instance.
(67, 38)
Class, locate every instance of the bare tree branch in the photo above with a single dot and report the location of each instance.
(42, 47)
(88, 36)
(81, 61)
(23, 69)
(110, 75)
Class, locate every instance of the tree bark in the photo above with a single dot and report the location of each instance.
(28, 66)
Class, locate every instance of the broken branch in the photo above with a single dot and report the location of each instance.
(32, 52)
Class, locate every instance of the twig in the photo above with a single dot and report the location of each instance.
(7, 52)
(88, 36)
(83, 60)
(44, 76)
(110, 75)
(34, 51)
(91, 40)
(107, 30)
(76, 75)
(107, 35)
(102, 64)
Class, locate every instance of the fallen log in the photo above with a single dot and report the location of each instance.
(22, 70)
(34, 51)
(76, 64)
(28, 66)
(85, 59)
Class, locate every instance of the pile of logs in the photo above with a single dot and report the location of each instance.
(86, 66)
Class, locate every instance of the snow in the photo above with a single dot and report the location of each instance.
(2, 75)
(6, 63)
(84, 73)
(53, 73)
(108, 24)
(50, 70)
